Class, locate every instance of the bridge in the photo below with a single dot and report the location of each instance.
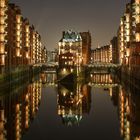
(49, 67)
(103, 65)
(103, 85)
(50, 84)
(50, 64)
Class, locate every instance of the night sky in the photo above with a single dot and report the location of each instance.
(51, 17)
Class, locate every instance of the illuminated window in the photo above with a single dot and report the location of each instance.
(18, 52)
(1, 38)
(18, 39)
(137, 1)
(2, 48)
(137, 37)
(27, 28)
(18, 18)
(70, 43)
(121, 22)
(128, 52)
(27, 55)
(137, 19)
(2, 29)
(18, 27)
(127, 25)
(2, 20)
(63, 44)
(2, 3)
(128, 38)
(27, 44)
(127, 18)
(2, 60)
(18, 33)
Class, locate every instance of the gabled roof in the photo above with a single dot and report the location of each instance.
(70, 36)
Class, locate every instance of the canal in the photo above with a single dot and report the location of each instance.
(42, 109)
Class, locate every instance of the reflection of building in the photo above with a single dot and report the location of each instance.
(103, 78)
(114, 95)
(48, 78)
(129, 115)
(17, 110)
(73, 102)
(2, 124)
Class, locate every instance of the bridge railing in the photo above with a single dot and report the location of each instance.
(103, 65)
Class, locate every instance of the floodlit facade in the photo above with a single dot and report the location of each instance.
(129, 39)
(70, 50)
(38, 46)
(101, 55)
(74, 51)
(3, 33)
(32, 45)
(20, 43)
(124, 36)
(26, 42)
(14, 36)
(44, 55)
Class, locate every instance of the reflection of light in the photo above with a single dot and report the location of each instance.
(64, 94)
(70, 43)
(63, 112)
(110, 93)
(59, 44)
(71, 70)
(63, 43)
(64, 70)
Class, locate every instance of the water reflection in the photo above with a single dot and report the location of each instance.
(73, 101)
(48, 79)
(18, 108)
(103, 79)
(20, 103)
(129, 114)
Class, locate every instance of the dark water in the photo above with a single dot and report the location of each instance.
(43, 110)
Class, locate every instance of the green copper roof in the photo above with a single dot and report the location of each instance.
(70, 36)
(70, 120)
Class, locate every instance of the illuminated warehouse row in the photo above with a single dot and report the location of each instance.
(129, 37)
(20, 43)
(3, 32)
